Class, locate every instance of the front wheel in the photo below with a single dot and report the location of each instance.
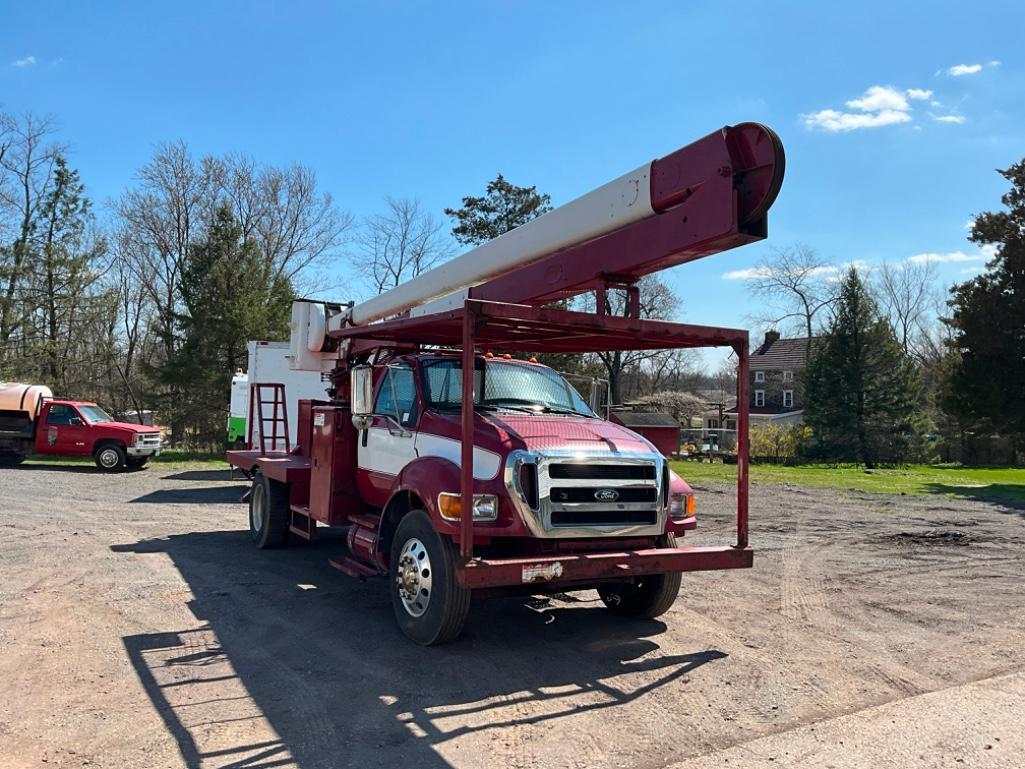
(644, 597)
(429, 604)
(110, 457)
(268, 512)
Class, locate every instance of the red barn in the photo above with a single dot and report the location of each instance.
(661, 429)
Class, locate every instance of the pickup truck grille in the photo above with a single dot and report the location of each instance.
(582, 496)
(150, 439)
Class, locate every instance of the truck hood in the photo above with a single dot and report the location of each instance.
(590, 436)
(133, 427)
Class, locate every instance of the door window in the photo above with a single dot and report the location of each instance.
(397, 396)
(60, 414)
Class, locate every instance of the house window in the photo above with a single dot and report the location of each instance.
(759, 397)
(759, 376)
(713, 424)
(788, 398)
(788, 376)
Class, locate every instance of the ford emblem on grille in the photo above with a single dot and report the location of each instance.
(606, 495)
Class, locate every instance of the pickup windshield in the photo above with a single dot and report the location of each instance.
(510, 385)
(95, 415)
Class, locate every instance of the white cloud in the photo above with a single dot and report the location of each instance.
(834, 121)
(993, 63)
(880, 97)
(958, 119)
(28, 61)
(748, 273)
(959, 70)
(935, 103)
(947, 258)
(880, 105)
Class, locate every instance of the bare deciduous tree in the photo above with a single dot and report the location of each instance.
(657, 300)
(909, 295)
(399, 244)
(796, 284)
(28, 155)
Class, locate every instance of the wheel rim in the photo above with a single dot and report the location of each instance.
(414, 578)
(258, 512)
(108, 458)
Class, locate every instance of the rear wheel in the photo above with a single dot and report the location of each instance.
(110, 457)
(430, 606)
(268, 512)
(644, 597)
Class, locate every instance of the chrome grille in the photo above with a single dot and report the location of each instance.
(588, 496)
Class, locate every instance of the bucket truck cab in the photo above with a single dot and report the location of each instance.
(545, 465)
(464, 474)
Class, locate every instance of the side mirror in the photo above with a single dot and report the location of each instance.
(597, 395)
(361, 398)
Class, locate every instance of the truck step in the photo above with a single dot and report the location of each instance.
(366, 520)
(353, 568)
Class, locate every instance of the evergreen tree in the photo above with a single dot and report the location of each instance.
(861, 389)
(230, 294)
(984, 386)
(503, 207)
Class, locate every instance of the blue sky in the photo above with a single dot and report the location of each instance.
(430, 100)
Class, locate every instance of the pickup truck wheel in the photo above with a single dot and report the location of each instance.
(645, 597)
(429, 604)
(268, 513)
(110, 457)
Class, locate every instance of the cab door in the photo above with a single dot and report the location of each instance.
(64, 431)
(388, 444)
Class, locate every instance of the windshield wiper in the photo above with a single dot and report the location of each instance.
(559, 410)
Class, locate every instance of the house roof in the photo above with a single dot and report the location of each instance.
(644, 419)
(782, 353)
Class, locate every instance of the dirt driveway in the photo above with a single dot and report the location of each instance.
(139, 628)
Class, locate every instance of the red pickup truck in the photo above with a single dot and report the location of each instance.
(72, 428)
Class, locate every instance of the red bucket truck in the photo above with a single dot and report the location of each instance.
(461, 466)
(33, 422)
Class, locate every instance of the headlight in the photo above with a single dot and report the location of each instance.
(681, 505)
(138, 438)
(485, 506)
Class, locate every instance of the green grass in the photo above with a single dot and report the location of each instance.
(999, 483)
(170, 459)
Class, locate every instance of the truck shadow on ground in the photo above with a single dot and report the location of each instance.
(204, 475)
(193, 496)
(292, 664)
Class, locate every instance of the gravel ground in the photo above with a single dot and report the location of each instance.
(140, 628)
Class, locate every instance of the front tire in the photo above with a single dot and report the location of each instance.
(644, 597)
(268, 513)
(430, 606)
(110, 457)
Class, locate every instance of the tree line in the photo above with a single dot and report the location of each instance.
(900, 370)
(147, 304)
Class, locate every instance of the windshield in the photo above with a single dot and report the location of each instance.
(529, 388)
(95, 414)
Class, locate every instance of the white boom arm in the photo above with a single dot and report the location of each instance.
(611, 206)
